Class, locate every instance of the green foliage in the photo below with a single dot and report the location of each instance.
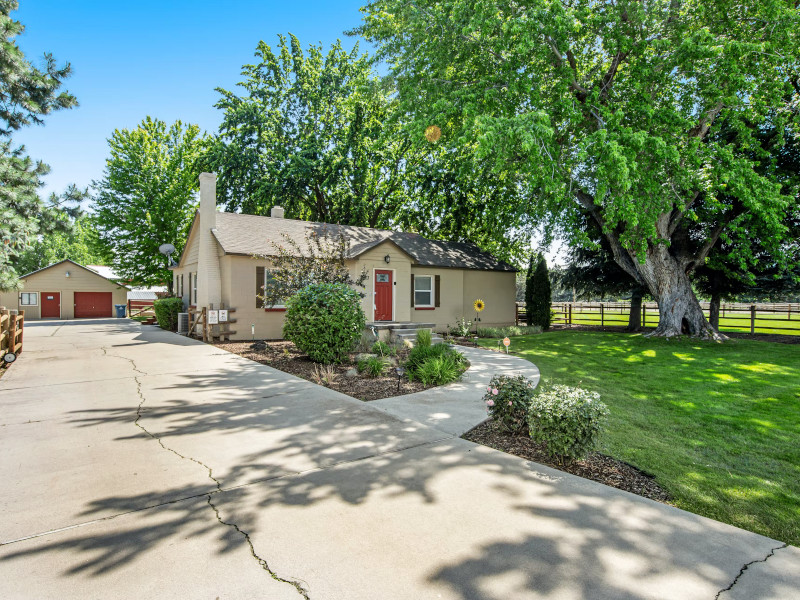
(167, 310)
(447, 364)
(325, 321)
(509, 331)
(424, 337)
(384, 349)
(507, 400)
(462, 327)
(147, 196)
(439, 370)
(27, 93)
(539, 309)
(373, 366)
(529, 294)
(314, 132)
(567, 419)
(321, 258)
(81, 243)
(613, 109)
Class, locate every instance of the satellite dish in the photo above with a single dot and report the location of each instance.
(166, 249)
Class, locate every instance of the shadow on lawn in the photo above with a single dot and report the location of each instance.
(519, 528)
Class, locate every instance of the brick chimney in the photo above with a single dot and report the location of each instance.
(209, 282)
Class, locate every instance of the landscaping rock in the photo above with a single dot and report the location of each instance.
(364, 356)
(258, 345)
(351, 373)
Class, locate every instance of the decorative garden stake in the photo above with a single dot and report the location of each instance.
(253, 331)
(506, 343)
(478, 305)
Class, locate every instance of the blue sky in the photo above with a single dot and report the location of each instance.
(158, 58)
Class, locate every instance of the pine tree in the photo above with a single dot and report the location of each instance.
(540, 284)
(529, 291)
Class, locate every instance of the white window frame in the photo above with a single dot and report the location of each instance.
(193, 290)
(432, 291)
(35, 298)
(267, 271)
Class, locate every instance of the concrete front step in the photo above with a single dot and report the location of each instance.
(401, 337)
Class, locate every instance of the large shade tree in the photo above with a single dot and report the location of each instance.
(27, 94)
(610, 108)
(147, 196)
(315, 132)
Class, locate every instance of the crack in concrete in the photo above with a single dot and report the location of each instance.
(262, 562)
(747, 566)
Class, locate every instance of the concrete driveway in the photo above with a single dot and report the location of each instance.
(136, 463)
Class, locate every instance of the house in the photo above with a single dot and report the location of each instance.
(65, 290)
(411, 279)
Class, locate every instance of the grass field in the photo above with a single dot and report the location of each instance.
(717, 424)
(737, 322)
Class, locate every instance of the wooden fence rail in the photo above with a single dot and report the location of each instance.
(12, 328)
(733, 316)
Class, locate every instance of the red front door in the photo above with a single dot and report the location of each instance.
(383, 295)
(51, 305)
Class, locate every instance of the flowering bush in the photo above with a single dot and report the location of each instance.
(461, 328)
(507, 399)
(567, 419)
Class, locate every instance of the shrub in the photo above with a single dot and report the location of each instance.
(424, 337)
(507, 400)
(372, 366)
(461, 328)
(325, 321)
(439, 370)
(437, 364)
(167, 310)
(383, 349)
(568, 420)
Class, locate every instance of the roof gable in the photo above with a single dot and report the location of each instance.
(67, 260)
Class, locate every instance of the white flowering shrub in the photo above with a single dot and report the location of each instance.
(507, 399)
(568, 420)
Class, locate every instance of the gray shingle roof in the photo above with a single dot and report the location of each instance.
(253, 234)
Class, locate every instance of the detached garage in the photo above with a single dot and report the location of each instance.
(65, 290)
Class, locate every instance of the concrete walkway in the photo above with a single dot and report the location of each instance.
(458, 407)
(136, 463)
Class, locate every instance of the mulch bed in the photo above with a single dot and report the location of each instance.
(597, 467)
(759, 337)
(285, 357)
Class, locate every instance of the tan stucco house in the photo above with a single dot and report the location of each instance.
(411, 279)
(65, 290)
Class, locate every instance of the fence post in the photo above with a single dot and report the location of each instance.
(21, 319)
(570, 313)
(752, 318)
(602, 315)
(12, 333)
(644, 314)
(516, 314)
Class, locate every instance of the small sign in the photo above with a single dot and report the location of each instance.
(50, 297)
(506, 343)
(212, 317)
(223, 316)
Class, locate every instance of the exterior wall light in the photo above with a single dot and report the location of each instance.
(387, 259)
(66, 274)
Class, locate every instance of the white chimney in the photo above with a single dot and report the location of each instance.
(276, 212)
(209, 282)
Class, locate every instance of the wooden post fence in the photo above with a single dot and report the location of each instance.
(12, 329)
(752, 318)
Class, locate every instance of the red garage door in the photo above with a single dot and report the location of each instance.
(92, 304)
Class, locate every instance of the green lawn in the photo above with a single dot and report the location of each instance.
(717, 424)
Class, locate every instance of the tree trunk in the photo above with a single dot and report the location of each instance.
(635, 316)
(713, 313)
(678, 309)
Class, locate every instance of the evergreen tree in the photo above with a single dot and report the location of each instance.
(540, 284)
(26, 94)
(529, 296)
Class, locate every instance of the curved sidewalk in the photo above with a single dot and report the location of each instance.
(458, 407)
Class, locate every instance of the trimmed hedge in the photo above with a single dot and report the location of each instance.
(167, 310)
(325, 321)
